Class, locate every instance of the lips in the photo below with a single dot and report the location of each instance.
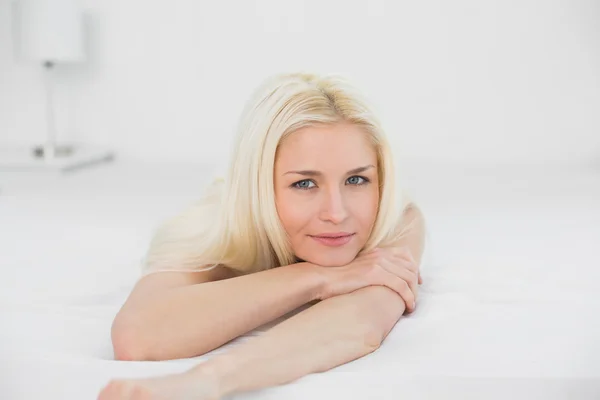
(333, 239)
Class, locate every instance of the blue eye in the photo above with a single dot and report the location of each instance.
(357, 180)
(304, 184)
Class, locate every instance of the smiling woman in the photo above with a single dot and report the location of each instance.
(327, 191)
(240, 211)
(308, 214)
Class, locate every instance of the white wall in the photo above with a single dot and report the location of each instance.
(467, 80)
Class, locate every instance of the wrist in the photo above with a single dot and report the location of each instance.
(216, 374)
(321, 280)
(208, 385)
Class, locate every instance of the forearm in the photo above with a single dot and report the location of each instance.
(192, 320)
(333, 332)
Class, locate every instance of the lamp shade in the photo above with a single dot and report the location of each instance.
(49, 30)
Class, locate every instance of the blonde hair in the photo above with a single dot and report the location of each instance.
(235, 223)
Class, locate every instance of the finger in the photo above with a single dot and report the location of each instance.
(409, 278)
(399, 268)
(401, 287)
(403, 252)
(403, 255)
(410, 265)
(403, 270)
(412, 281)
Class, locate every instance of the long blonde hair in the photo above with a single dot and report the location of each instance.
(235, 223)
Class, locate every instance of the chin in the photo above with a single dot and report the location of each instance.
(332, 260)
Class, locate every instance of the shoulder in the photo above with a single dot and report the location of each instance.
(411, 217)
(409, 211)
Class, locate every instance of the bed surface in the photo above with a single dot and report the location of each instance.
(509, 304)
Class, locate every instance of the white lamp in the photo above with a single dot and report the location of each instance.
(51, 32)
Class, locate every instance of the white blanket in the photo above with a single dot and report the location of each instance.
(509, 307)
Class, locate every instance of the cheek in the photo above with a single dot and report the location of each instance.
(365, 209)
(292, 215)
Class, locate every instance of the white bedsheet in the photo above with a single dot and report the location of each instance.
(509, 307)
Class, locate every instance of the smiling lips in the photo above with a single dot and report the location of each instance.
(333, 239)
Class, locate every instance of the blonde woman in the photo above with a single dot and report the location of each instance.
(308, 217)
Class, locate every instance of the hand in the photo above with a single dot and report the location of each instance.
(190, 385)
(393, 267)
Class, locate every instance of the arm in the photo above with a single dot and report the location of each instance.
(333, 332)
(179, 315)
(167, 316)
(330, 333)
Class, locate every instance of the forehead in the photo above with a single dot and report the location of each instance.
(327, 147)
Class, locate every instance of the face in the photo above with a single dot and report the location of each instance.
(327, 192)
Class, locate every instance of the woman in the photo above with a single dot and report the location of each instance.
(308, 215)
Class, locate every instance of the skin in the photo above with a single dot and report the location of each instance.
(326, 182)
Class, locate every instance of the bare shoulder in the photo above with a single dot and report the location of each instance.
(411, 207)
(164, 280)
(411, 213)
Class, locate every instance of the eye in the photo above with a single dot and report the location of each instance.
(304, 184)
(357, 180)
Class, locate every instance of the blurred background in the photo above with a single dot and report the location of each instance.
(462, 81)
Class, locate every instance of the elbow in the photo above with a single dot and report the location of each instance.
(126, 341)
(380, 310)
(372, 339)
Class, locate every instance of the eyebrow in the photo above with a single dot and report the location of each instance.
(309, 172)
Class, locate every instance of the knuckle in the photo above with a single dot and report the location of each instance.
(411, 266)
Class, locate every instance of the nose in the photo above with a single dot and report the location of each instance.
(333, 208)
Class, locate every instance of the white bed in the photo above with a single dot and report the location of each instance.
(509, 306)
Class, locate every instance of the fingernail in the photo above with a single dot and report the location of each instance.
(414, 304)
